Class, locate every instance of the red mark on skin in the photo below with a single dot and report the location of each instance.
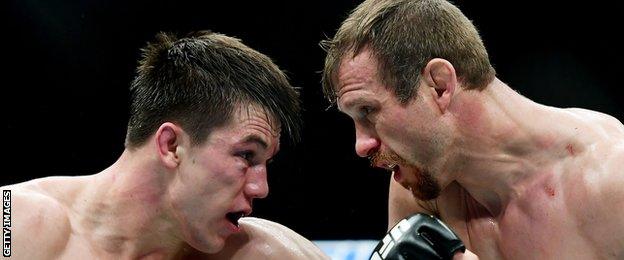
(550, 191)
(570, 149)
(470, 116)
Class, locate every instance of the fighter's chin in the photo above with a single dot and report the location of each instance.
(425, 195)
(208, 241)
(424, 186)
(208, 245)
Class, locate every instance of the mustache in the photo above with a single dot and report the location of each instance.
(388, 157)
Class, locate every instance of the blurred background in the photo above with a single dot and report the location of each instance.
(68, 65)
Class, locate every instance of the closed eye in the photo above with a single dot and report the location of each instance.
(247, 156)
(269, 161)
(365, 111)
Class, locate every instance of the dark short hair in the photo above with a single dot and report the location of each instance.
(404, 35)
(199, 81)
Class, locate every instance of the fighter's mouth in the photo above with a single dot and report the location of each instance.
(234, 217)
(388, 166)
(396, 172)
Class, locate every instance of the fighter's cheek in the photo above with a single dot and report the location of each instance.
(394, 131)
(390, 137)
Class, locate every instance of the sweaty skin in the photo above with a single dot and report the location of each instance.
(262, 239)
(167, 199)
(519, 180)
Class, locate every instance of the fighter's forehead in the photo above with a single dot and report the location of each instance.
(354, 70)
(255, 118)
(355, 74)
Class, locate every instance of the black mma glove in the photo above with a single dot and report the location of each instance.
(418, 237)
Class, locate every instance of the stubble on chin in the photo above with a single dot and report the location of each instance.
(426, 187)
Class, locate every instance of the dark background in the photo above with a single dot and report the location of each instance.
(66, 68)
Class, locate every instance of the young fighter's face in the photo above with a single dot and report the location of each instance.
(405, 138)
(217, 181)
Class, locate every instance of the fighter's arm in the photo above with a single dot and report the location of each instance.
(39, 225)
(263, 239)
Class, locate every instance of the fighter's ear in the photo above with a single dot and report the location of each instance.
(439, 75)
(168, 138)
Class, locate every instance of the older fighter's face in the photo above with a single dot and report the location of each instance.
(401, 137)
(217, 181)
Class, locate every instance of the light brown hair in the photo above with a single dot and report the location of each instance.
(403, 35)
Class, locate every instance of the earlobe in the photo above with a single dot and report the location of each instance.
(167, 140)
(439, 75)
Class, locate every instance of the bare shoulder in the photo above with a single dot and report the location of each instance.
(596, 198)
(264, 239)
(602, 122)
(604, 161)
(605, 158)
(40, 225)
(594, 194)
(610, 185)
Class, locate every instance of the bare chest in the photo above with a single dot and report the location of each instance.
(539, 226)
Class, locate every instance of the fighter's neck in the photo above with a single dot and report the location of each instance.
(125, 210)
(506, 141)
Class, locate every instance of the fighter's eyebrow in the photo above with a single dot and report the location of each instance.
(351, 103)
(253, 138)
